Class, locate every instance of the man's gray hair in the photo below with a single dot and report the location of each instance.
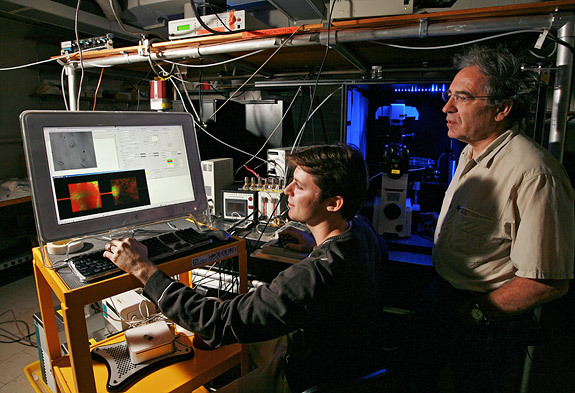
(506, 78)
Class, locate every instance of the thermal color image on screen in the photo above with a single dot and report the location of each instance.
(85, 196)
(96, 194)
(125, 190)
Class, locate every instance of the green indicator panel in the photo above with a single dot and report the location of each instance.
(183, 27)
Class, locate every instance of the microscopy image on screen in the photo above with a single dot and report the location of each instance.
(72, 150)
(125, 190)
(99, 193)
(85, 196)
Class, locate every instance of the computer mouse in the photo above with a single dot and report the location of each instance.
(219, 234)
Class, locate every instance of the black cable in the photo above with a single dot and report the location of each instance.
(301, 106)
(561, 42)
(15, 339)
(79, 92)
(312, 98)
(241, 221)
(268, 222)
(311, 105)
(137, 88)
(19, 340)
(140, 94)
(201, 22)
(322, 122)
(200, 92)
(215, 12)
(227, 267)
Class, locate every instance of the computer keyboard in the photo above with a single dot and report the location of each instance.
(94, 266)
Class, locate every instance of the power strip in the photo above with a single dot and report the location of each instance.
(92, 43)
(14, 261)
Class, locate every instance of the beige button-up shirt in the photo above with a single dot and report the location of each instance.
(507, 212)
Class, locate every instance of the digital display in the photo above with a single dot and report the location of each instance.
(92, 172)
(101, 171)
(236, 207)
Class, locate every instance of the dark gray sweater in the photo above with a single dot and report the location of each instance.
(329, 305)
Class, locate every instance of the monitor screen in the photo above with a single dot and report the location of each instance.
(92, 172)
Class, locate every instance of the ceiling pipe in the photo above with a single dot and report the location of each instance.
(505, 24)
(426, 29)
(561, 91)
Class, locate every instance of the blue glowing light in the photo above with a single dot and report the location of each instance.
(417, 88)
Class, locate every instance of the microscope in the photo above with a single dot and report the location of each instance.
(392, 216)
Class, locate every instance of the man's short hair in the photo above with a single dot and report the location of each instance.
(338, 170)
(506, 78)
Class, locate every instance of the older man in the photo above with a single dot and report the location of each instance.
(504, 238)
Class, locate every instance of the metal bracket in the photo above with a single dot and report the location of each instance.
(144, 47)
(126, 56)
(558, 19)
(423, 27)
(541, 39)
(352, 58)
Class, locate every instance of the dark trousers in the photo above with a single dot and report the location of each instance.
(482, 359)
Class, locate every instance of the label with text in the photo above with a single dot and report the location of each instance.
(214, 256)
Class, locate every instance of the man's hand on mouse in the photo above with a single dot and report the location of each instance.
(131, 256)
(303, 241)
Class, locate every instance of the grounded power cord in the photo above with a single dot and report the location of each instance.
(24, 338)
(203, 24)
(311, 111)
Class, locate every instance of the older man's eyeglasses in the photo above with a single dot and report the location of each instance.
(460, 97)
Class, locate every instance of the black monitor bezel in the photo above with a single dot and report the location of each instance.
(33, 123)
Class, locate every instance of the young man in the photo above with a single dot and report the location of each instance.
(329, 305)
(504, 239)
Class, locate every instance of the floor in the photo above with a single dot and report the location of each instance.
(18, 301)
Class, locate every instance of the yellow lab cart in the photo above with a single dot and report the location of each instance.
(77, 372)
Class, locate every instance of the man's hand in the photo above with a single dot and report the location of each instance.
(304, 241)
(131, 256)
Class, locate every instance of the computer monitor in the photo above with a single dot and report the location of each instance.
(93, 172)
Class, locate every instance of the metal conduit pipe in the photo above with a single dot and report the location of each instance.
(132, 58)
(341, 37)
(424, 29)
(158, 54)
(562, 91)
(72, 75)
